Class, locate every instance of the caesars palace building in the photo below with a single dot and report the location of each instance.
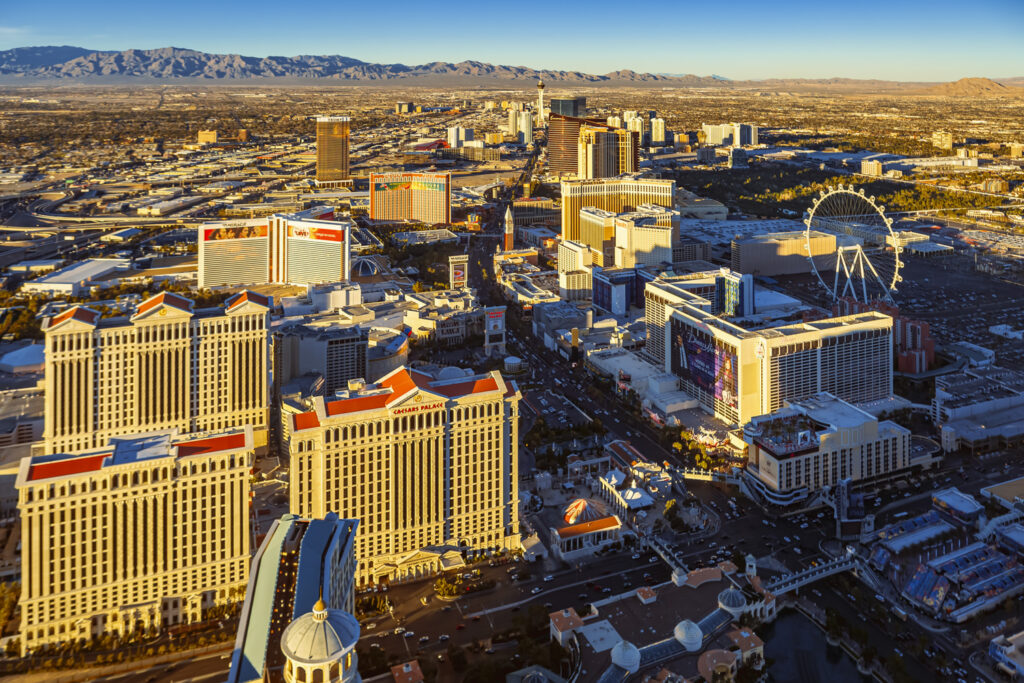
(738, 373)
(429, 467)
(167, 366)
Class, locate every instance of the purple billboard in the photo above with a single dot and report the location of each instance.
(703, 363)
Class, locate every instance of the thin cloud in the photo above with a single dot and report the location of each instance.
(12, 31)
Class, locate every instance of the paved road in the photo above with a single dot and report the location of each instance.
(213, 668)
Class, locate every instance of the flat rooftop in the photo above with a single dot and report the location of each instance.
(89, 269)
(833, 411)
(958, 501)
(1006, 492)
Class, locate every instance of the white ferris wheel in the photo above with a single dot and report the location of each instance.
(865, 268)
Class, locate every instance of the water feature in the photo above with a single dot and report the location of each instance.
(800, 654)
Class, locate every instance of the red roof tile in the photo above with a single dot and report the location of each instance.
(85, 315)
(213, 444)
(245, 296)
(306, 421)
(589, 527)
(342, 406)
(477, 386)
(401, 382)
(64, 468)
(168, 298)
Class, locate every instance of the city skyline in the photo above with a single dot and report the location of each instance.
(796, 39)
(464, 373)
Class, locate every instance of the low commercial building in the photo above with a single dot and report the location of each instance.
(76, 279)
(820, 440)
(783, 253)
(587, 528)
(146, 532)
(980, 409)
(1007, 651)
(418, 237)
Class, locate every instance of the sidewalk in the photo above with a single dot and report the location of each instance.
(75, 675)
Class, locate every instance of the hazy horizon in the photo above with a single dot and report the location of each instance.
(907, 41)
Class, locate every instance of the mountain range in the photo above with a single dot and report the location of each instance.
(68, 62)
(75, 64)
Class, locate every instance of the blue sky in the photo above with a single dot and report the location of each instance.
(933, 40)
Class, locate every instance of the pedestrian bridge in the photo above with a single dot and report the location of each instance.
(812, 574)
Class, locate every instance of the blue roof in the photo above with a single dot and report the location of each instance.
(248, 660)
(310, 577)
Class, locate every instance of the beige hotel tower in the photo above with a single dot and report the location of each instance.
(428, 466)
(144, 533)
(168, 366)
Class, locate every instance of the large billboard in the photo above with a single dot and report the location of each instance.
(408, 185)
(708, 364)
(234, 232)
(316, 232)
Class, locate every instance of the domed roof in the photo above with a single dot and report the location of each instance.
(689, 635)
(731, 599)
(320, 636)
(627, 656)
(363, 266)
(579, 511)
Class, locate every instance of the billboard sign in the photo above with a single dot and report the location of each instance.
(234, 232)
(316, 232)
(458, 267)
(708, 364)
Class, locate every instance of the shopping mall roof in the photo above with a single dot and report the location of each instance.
(957, 501)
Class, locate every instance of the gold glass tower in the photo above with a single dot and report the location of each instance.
(332, 133)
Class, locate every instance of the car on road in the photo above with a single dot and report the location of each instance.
(409, 634)
(424, 639)
(536, 589)
(652, 560)
(400, 630)
(460, 627)
(370, 627)
(636, 556)
(444, 637)
(548, 578)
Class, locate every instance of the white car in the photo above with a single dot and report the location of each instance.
(548, 578)
(636, 556)
(536, 589)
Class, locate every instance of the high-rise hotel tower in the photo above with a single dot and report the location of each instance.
(168, 366)
(332, 140)
(146, 532)
(428, 466)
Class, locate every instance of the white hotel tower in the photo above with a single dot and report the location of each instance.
(540, 104)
